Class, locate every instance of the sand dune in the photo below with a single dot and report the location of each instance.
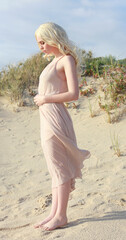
(97, 208)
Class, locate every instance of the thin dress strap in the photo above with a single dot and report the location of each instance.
(56, 65)
(58, 61)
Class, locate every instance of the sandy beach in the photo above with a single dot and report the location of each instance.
(97, 207)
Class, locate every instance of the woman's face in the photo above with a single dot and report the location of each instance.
(44, 47)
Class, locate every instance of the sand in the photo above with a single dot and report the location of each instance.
(97, 208)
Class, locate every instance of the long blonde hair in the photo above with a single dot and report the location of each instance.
(56, 36)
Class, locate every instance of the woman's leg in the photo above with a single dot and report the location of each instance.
(60, 217)
(53, 208)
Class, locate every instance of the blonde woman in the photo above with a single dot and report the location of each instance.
(58, 83)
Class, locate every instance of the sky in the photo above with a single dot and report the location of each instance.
(95, 25)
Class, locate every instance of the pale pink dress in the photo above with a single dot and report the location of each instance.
(64, 158)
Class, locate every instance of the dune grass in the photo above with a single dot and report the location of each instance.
(16, 79)
(115, 144)
(25, 75)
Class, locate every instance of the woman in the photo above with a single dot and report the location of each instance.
(58, 83)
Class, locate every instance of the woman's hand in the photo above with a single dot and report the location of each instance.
(39, 100)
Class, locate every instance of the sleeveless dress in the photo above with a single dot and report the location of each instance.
(58, 140)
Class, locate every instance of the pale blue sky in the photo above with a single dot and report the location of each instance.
(96, 25)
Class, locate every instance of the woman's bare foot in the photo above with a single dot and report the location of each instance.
(46, 220)
(54, 223)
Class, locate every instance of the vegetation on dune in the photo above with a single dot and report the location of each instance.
(14, 80)
(112, 84)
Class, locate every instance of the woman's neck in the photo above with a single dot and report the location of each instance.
(57, 53)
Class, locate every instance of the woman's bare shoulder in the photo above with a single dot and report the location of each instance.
(68, 59)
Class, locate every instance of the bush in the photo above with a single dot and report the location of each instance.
(95, 66)
(115, 88)
(15, 79)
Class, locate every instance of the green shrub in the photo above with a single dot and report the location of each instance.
(96, 66)
(114, 87)
(116, 84)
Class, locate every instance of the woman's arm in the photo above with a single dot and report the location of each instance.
(72, 84)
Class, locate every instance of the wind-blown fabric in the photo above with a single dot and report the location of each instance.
(64, 158)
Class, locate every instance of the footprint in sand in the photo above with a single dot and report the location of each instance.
(92, 194)
(5, 207)
(44, 202)
(99, 179)
(2, 219)
(27, 173)
(22, 199)
(99, 206)
(120, 202)
(123, 202)
(81, 202)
